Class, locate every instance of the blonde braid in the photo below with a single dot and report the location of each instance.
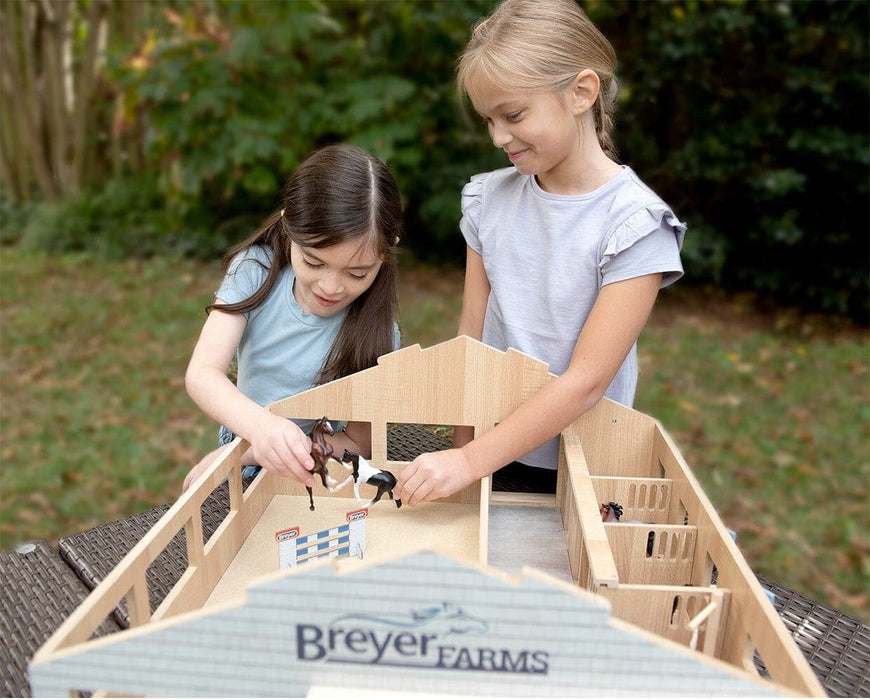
(603, 110)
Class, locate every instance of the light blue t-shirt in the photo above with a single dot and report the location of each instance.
(547, 256)
(282, 348)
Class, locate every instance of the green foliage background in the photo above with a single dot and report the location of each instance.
(752, 119)
(749, 118)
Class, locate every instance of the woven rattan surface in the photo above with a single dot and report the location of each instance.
(407, 440)
(39, 593)
(93, 554)
(836, 645)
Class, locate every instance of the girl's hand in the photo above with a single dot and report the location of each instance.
(434, 475)
(280, 446)
(200, 468)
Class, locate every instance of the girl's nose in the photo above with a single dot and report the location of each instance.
(499, 135)
(331, 284)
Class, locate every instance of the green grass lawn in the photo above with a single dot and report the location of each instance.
(771, 410)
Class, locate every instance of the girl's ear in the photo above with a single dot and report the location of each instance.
(584, 91)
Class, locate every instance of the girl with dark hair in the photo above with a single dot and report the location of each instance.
(308, 298)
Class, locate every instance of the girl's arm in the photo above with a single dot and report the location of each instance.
(613, 326)
(276, 443)
(475, 296)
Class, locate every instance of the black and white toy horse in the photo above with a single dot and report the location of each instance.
(383, 480)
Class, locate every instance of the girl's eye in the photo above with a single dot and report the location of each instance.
(358, 276)
(311, 264)
(514, 116)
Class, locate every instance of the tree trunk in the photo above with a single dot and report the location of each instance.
(54, 96)
(52, 54)
(7, 175)
(17, 42)
(84, 88)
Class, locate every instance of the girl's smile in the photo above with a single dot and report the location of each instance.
(516, 155)
(329, 279)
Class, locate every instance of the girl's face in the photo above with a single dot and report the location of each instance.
(330, 279)
(539, 131)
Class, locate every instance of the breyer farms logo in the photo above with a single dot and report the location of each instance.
(431, 638)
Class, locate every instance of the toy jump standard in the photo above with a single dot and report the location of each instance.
(648, 595)
(348, 539)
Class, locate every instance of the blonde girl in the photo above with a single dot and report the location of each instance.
(566, 248)
(308, 298)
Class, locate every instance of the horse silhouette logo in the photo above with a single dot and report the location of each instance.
(443, 620)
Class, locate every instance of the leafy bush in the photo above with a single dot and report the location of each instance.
(126, 218)
(13, 217)
(751, 120)
(234, 100)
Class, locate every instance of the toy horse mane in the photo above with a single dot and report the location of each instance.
(611, 512)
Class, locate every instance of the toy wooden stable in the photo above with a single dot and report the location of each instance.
(661, 602)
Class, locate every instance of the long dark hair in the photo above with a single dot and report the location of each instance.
(338, 193)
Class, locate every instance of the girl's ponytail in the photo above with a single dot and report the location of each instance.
(603, 110)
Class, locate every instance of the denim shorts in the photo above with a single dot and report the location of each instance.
(225, 437)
